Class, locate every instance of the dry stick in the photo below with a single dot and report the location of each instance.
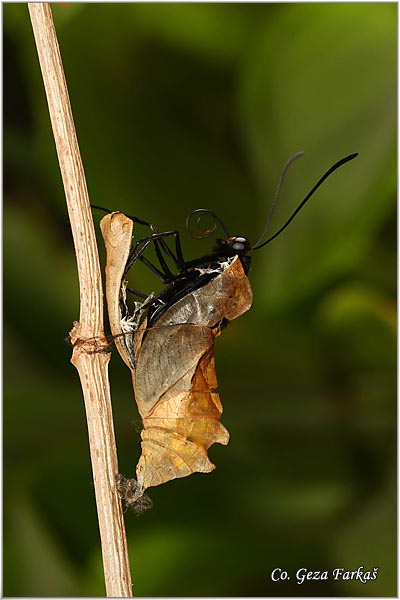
(92, 367)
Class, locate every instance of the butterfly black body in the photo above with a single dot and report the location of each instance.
(197, 273)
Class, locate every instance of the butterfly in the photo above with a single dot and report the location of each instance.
(167, 340)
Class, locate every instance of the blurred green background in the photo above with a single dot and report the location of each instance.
(181, 106)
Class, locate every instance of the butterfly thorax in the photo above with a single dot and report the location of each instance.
(198, 273)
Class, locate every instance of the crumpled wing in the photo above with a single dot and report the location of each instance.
(175, 385)
(175, 381)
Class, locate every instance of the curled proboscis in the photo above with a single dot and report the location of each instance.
(197, 216)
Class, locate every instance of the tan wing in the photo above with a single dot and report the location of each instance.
(175, 387)
(175, 381)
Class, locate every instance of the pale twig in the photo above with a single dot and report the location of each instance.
(91, 366)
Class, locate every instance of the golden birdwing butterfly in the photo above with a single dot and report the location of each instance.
(168, 341)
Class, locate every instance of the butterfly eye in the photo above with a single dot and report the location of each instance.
(240, 244)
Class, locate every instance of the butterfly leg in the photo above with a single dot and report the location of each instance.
(137, 250)
(136, 293)
(136, 253)
(177, 259)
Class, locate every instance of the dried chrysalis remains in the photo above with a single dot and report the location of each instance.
(167, 340)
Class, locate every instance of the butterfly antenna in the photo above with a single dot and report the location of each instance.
(133, 218)
(106, 210)
(314, 189)
(276, 196)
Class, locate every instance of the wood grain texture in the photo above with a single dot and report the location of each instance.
(87, 334)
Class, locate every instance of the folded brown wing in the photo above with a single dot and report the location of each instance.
(175, 386)
(175, 381)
